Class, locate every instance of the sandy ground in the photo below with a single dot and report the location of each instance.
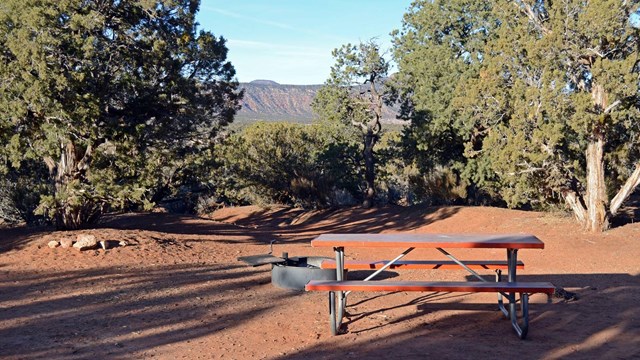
(178, 291)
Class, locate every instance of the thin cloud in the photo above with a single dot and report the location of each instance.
(274, 24)
(248, 18)
(281, 48)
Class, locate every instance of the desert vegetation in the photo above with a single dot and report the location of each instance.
(107, 105)
(121, 106)
(120, 133)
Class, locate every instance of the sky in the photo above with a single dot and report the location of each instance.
(290, 41)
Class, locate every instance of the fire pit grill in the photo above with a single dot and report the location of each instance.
(291, 272)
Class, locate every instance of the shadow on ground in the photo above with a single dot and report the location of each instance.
(479, 331)
(18, 237)
(292, 226)
(112, 312)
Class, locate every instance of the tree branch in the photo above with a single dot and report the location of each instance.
(83, 164)
(612, 106)
(528, 11)
(571, 198)
(632, 182)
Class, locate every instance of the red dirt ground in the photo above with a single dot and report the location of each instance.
(178, 291)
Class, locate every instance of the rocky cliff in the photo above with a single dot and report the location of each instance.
(267, 100)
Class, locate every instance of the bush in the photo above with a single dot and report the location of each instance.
(301, 165)
(392, 181)
(441, 186)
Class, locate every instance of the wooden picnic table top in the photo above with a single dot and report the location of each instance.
(500, 241)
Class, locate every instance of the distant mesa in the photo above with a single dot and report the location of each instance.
(264, 82)
(270, 101)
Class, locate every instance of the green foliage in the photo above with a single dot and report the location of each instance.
(393, 183)
(402, 182)
(9, 212)
(354, 95)
(20, 191)
(438, 52)
(441, 186)
(506, 92)
(118, 98)
(304, 165)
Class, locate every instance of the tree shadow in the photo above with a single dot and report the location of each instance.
(363, 274)
(292, 226)
(629, 213)
(112, 312)
(14, 238)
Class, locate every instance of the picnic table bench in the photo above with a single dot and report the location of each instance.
(420, 264)
(340, 288)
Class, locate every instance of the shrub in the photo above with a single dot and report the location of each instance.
(302, 165)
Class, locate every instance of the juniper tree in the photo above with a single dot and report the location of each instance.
(117, 98)
(438, 50)
(545, 94)
(354, 95)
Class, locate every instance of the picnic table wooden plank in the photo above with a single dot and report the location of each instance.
(502, 241)
(420, 264)
(443, 286)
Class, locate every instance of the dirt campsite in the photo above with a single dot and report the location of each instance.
(177, 290)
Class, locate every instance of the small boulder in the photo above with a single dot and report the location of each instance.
(66, 243)
(53, 244)
(85, 242)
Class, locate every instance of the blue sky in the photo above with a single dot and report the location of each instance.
(290, 41)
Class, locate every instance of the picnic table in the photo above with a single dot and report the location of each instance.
(340, 288)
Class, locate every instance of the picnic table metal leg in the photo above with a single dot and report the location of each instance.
(335, 325)
(521, 329)
(337, 300)
(385, 267)
(498, 277)
(447, 254)
(500, 296)
(512, 313)
(512, 255)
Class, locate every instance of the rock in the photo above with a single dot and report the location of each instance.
(123, 243)
(66, 243)
(53, 244)
(86, 242)
(104, 244)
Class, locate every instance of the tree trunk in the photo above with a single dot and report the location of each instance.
(73, 207)
(370, 138)
(369, 163)
(596, 199)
